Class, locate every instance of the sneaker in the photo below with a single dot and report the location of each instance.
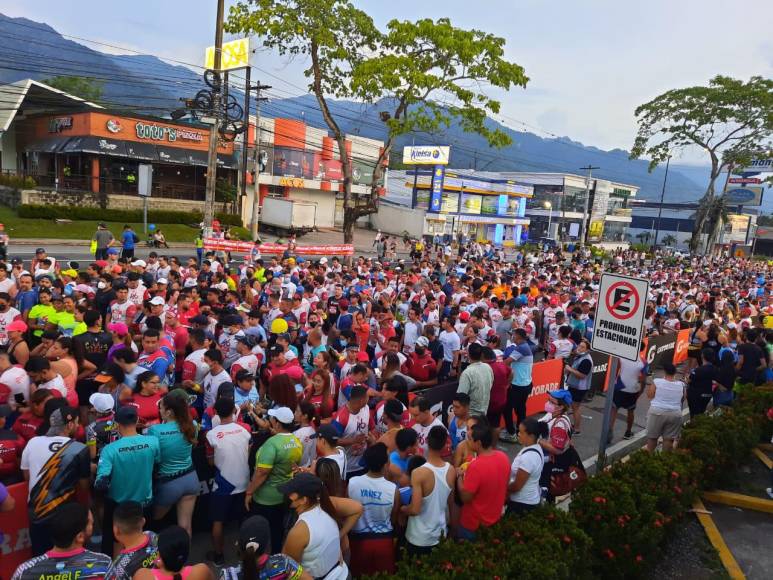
(215, 558)
(628, 435)
(770, 492)
(576, 433)
(508, 437)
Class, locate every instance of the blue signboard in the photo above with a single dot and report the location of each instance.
(438, 175)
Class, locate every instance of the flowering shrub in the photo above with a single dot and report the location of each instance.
(545, 544)
(722, 442)
(618, 519)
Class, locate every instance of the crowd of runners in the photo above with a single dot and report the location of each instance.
(299, 383)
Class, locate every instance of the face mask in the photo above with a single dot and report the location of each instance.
(101, 285)
(550, 408)
(313, 323)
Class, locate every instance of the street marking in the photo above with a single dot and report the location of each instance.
(716, 539)
(739, 500)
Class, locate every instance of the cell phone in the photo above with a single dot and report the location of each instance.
(19, 398)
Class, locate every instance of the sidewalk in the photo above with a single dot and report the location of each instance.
(363, 240)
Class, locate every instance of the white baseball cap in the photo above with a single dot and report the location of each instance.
(139, 263)
(157, 301)
(282, 414)
(102, 402)
(162, 281)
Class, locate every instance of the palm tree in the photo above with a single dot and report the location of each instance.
(668, 240)
(643, 237)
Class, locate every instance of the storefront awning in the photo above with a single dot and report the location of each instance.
(173, 155)
(198, 158)
(227, 162)
(96, 146)
(51, 145)
(141, 151)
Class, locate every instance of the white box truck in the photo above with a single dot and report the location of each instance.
(288, 216)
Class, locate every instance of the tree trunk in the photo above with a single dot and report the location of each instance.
(350, 219)
(706, 204)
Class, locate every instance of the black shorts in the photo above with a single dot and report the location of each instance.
(694, 352)
(85, 388)
(578, 395)
(226, 508)
(623, 400)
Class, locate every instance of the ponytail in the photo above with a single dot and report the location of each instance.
(250, 564)
(327, 505)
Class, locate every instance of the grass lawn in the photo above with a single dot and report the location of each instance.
(83, 230)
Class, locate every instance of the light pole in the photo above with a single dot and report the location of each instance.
(662, 196)
(549, 207)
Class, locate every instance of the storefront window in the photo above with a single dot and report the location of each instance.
(545, 193)
(614, 231)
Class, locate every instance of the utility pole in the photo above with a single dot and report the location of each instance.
(209, 198)
(584, 227)
(662, 195)
(256, 196)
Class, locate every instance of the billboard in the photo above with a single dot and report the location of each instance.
(471, 203)
(235, 54)
(744, 196)
(426, 155)
(450, 202)
(760, 165)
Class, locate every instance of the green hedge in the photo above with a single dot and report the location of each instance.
(618, 520)
(120, 215)
(17, 181)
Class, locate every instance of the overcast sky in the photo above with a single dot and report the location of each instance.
(590, 63)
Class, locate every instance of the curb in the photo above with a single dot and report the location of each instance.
(716, 539)
(767, 461)
(621, 449)
(69, 242)
(739, 500)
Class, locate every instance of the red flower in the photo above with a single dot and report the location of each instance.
(674, 474)
(448, 566)
(658, 524)
(567, 539)
(639, 559)
(600, 499)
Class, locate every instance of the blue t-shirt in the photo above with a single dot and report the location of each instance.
(26, 300)
(523, 360)
(175, 449)
(125, 468)
(395, 459)
(127, 239)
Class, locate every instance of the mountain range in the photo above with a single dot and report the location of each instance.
(144, 83)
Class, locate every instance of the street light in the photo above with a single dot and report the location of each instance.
(549, 207)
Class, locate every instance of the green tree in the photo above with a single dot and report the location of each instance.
(668, 240)
(225, 193)
(765, 220)
(425, 74)
(87, 89)
(730, 120)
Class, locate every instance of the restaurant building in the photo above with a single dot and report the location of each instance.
(83, 147)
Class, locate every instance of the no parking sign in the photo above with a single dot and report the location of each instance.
(618, 328)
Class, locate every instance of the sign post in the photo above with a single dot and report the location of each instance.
(144, 186)
(618, 331)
